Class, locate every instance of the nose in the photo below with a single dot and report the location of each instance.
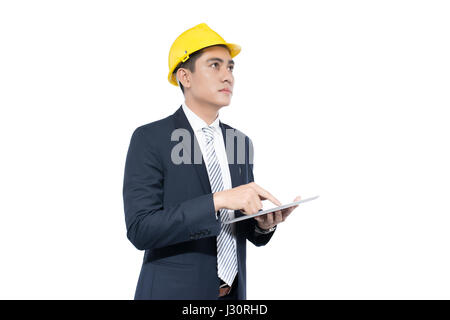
(227, 75)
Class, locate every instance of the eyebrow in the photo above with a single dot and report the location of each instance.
(220, 60)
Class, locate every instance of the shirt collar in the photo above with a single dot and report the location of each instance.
(196, 122)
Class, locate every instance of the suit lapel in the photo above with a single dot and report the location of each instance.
(231, 156)
(235, 170)
(182, 122)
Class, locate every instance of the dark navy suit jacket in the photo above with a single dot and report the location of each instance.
(169, 213)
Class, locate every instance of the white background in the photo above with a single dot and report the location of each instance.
(345, 99)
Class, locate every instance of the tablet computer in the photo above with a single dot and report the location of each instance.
(261, 212)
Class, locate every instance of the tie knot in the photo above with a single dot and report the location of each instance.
(209, 133)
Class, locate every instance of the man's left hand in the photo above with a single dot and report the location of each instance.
(270, 220)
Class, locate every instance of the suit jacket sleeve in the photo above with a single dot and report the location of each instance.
(149, 224)
(254, 237)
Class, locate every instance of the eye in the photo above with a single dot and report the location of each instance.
(216, 63)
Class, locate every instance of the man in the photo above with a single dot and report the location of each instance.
(174, 204)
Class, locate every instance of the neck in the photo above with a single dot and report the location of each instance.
(207, 112)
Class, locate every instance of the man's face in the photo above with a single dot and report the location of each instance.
(213, 73)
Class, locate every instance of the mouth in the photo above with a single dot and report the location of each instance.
(225, 91)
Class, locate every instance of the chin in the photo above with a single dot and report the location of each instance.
(224, 102)
(220, 101)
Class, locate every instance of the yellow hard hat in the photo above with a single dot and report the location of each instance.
(194, 39)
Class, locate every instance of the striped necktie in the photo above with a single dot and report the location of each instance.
(226, 244)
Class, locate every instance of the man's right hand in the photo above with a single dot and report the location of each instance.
(246, 198)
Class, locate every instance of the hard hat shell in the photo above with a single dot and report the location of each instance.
(192, 40)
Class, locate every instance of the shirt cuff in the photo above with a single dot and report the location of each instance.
(262, 231)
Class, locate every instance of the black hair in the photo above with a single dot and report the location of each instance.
(190, 63)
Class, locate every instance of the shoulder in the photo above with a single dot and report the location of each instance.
(154, 131)
(240, 140)
(154, 127)
(229, 130)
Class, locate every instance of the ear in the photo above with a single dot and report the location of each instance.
(183, 76)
